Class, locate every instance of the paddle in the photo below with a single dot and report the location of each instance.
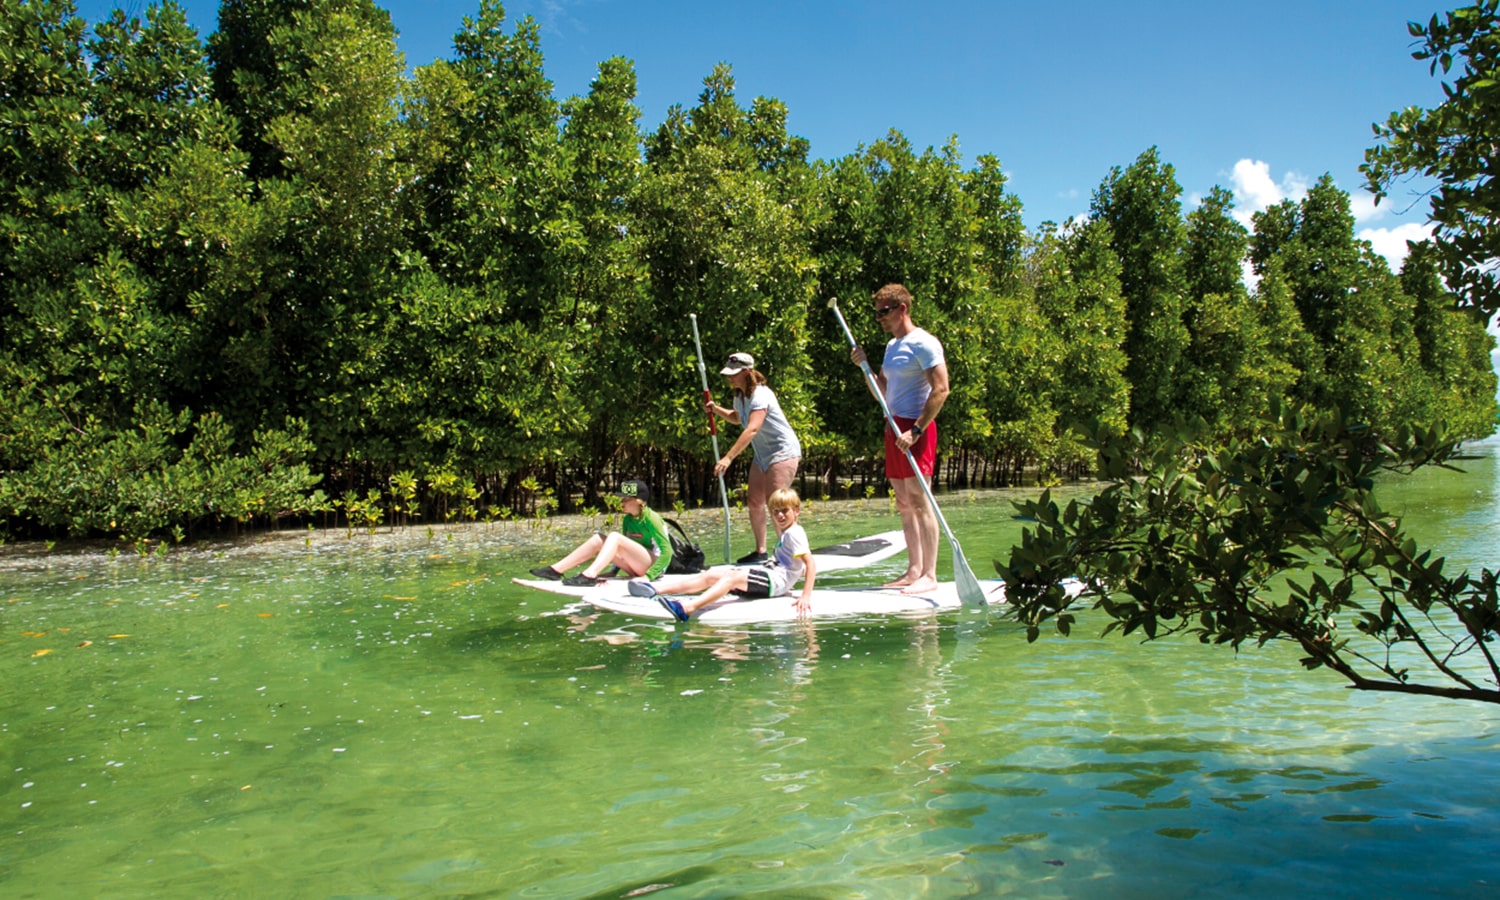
(968, 586)
(713, 429)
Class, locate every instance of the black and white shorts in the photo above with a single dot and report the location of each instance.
(762, 581)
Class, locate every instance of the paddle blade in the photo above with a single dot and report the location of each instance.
(969, 589)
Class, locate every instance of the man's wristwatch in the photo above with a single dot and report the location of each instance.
(916, 432)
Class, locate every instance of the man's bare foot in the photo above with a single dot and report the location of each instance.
(903, 581)
(921, 586)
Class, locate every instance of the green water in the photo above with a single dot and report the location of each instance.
(387, 716)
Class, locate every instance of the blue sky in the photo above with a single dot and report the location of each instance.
(1261, 98)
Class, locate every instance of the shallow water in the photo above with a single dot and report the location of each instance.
(335, 716)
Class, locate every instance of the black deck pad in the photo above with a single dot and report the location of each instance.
(854, 548)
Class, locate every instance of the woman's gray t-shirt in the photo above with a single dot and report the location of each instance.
(775, 442)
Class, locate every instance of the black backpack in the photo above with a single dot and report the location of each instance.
(687, 557)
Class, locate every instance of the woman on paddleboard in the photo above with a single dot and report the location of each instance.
(766, 429)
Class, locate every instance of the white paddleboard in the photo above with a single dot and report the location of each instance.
(827, 603)
(848, 555)
(861, 552)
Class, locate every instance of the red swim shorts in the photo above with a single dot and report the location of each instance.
(924, 451)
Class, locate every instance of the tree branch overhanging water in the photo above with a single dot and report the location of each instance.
(1205, 538)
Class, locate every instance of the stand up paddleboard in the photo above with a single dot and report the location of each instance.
(837, 602)
(861, 552)
(827, 603)
(848, 555)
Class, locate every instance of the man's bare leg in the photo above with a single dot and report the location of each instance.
(920, 525)
(910, 528)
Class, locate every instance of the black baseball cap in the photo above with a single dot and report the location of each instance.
(636, 489)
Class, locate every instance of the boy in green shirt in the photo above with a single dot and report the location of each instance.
(641, 546)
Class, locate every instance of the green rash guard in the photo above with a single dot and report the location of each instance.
(650, 531)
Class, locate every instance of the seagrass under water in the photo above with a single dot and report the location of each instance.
(355, 716)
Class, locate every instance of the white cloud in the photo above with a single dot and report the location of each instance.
(1391, 242)
(1255, 189)
(1362, 206)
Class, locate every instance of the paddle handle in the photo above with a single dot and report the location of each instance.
(708, 395)
(713, 429)
(713, 420)
(874, 383)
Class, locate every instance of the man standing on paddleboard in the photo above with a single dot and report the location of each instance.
(913, 378)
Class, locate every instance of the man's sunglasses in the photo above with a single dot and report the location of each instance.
(880, 311)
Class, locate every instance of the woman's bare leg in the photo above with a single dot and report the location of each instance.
(759, 491)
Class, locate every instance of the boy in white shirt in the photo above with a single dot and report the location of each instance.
(790, 561)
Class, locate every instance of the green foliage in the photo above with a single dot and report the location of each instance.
(1201, 539)
(459, 385)
(954, 238)
(1452, 350)
(1361, 350)
(492, 199)
(1140, 205)
(722, 242)
(1074, 277)
(146, 481)
(43, 141)
(1225, 337)
(474, 298)
(1453, 144)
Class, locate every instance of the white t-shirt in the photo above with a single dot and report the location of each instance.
(786, 565)
(905, 366)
